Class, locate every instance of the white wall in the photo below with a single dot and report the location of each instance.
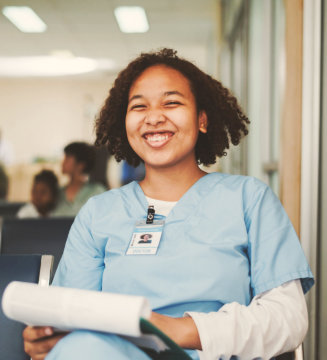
(40, 116)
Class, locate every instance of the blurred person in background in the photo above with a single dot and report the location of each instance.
(4, 182)
(44, 196)
(100, 169)
(78, 163)
(131, 173)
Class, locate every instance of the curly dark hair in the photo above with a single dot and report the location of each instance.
(226, 121)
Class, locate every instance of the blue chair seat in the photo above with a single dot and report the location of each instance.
(20, 268)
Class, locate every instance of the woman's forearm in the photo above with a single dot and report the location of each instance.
(182, 330)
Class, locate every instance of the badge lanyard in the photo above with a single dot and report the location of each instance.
(146, 235)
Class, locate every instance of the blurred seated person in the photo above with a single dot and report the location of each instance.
(131, 173)
(78, 162)
(43, 197)
(3, 184)
(100, 169)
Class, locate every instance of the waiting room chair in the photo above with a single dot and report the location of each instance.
(10, 209)
(35, 236)
(297, 354)
(30, 268)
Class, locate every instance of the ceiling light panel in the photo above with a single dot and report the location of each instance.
(131, 19)
(24, 18)
(45, 66)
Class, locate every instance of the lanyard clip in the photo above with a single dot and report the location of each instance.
(150, 216)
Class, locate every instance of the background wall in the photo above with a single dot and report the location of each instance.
(40, 116)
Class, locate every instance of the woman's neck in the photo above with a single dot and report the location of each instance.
(169, 185)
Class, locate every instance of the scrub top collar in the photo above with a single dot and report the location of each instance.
(188, 203)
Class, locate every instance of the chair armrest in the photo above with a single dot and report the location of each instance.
(298, 353)
(1, 225)
(46, 270)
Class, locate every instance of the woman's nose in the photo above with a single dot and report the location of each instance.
(154, 117)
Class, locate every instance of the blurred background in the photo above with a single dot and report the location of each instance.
(270, 53)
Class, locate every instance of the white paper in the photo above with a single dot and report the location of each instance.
(68, 309)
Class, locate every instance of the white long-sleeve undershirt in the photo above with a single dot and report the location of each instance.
(273, 323)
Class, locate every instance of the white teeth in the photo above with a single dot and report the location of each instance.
(157, 137)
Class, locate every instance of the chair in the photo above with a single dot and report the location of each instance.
(35, 236)
(10, 208)
(286, 356)
(297, 354)
(30, 268)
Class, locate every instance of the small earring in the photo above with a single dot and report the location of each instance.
(203, 128)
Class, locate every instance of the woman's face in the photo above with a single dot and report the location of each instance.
(70, 166)
(146, 237)
(42, 197)
(162, 123)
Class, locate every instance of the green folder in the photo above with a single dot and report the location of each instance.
(173, 351)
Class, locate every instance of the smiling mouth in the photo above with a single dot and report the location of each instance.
(158, 139)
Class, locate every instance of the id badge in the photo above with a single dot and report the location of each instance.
(146, 238)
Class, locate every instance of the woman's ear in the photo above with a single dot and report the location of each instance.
(203, 122)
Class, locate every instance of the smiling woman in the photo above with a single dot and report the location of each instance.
(224, 271)
(225, 126)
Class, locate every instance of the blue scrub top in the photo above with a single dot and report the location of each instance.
(227, 239)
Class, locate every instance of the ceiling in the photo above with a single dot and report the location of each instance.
(87, 28)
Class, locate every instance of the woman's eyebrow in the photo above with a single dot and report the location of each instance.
(135, 97)
(166, 93)
(174, 92)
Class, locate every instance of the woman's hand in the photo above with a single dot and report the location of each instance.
(182, 330)
(38, 341)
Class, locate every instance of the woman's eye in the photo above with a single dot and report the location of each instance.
(172, 103)
(137, 107)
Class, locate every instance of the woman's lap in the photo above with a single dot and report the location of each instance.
(89, 345)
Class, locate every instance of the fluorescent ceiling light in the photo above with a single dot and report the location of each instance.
(50, 66)
(24, 18)
(131, 19)
(63, 53)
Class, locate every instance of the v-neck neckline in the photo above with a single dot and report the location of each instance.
(185, 205)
